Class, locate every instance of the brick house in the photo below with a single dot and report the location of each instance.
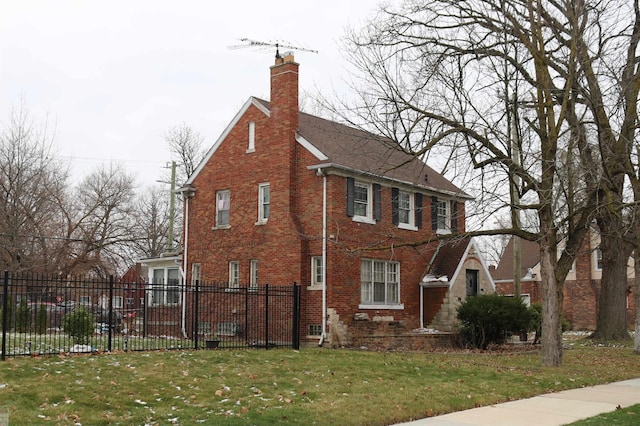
(581, 287)
(283, 197)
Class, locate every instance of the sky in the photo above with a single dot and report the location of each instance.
(112, 78)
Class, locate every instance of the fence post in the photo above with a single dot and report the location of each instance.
(266, 316)
(110, 313)
(196, 302)
(295, 338)
(5, 306)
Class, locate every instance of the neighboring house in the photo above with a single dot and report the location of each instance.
(284, 197)
(581, 287)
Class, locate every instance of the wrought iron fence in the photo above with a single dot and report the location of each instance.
(43, 315)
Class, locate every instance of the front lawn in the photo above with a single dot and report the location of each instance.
(310, 386)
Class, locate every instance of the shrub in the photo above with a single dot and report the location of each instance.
(489, 318)
(535, 322)
(80, 325)
(23, 316)
(41, 319)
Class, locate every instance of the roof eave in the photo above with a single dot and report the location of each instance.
(339, 169)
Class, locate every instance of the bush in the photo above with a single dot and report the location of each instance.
(487, 319)
(41, 319)
(80, 325)
(23, 316)
(535, 322)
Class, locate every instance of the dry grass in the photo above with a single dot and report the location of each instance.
(311, 386)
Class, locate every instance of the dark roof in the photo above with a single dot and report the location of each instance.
(448, 256)
(365, 152)
(529, 257)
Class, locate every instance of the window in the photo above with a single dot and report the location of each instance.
(223, 204)
(380, 283)
(165, 289)
(317, 276)
(252, 137)
(254, 274)
(195, 274)
(597, 259)
(405, 208)
(130, 301)
(234, 274)
(442, 212)
(315, 330)
(363, 201)
(472, 282)
(116, 302)
(85, 300)
(264, 202)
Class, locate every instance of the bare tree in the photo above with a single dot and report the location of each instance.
(186, 145)
(100, 223)
(452, 76)
(32, 187)
(152, 222)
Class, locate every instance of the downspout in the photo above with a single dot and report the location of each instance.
(184, 266)
(324, 257)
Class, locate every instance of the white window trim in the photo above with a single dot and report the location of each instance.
(216, 224)
(117, 302)
(164, 288)
(234, 274)
(411, 226)
(389, 306)
(314, 283)
(261, 220)
(252, 138)
(447, 218)
(253, 281)
(369, 215)
(595, 259)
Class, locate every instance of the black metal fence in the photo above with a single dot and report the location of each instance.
(43, 315)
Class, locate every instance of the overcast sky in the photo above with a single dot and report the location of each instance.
(115, 76)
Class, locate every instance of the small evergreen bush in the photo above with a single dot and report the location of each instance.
(489, 318)
(535, 322)
(41, 319)
(80, 325)
(23, 316)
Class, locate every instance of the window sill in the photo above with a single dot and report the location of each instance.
(250, 150)
(221, 227)
(397, 307)
(443, 231)
(315, 287)
(363, 219)
(261, 222)
(407, 226)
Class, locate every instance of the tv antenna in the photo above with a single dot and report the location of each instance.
(255, 43)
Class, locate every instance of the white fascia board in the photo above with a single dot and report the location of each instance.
(311, 148)
(225, 133)
(473, 244)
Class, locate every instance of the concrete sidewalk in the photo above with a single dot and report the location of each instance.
(552, 409)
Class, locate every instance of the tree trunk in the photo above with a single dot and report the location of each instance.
(636, 294)
(611, 321)
(551, 348)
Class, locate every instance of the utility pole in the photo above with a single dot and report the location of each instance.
(172, 207)
(515, 198)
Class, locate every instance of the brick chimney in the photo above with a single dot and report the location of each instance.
(284, 93)
(284, 119)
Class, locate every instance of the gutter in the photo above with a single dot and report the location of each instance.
(324, 256)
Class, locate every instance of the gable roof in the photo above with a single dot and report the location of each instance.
(344, 147)
(448, 261)
(355, 151)
(529, 258)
